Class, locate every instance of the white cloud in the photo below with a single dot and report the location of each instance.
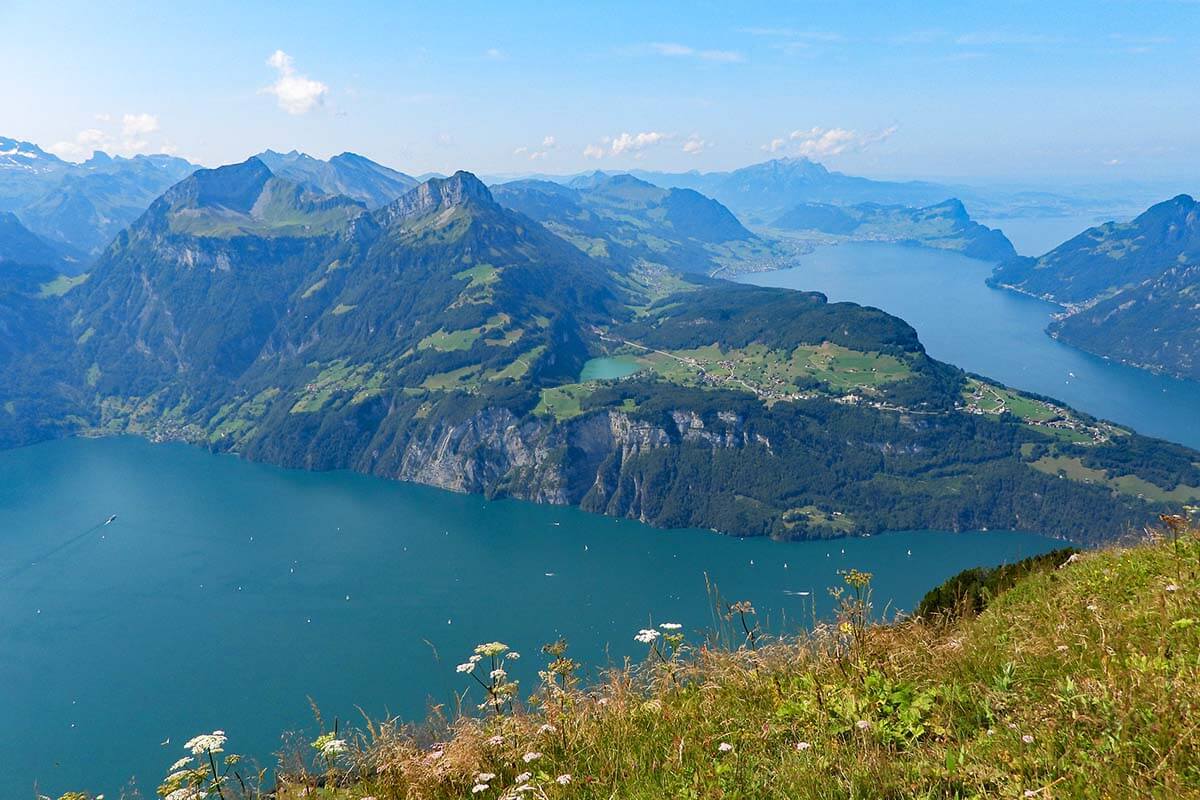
(828, 142)
(81, 147)
(793, 33)
(295, 93)
(132, 138)
(536, 154)
(133, 125)
(633, 143)
(675, 49)
(495, 53)
(1008, 38)
(694, 145)
(626, 143)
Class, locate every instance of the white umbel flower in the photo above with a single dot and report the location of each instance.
(206, 743)
(646, 636)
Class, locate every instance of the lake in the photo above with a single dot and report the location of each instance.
(1033, 236)
(226, 593)
(993, 332)
(608, 367)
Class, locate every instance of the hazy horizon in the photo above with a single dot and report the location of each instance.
(1077, 92)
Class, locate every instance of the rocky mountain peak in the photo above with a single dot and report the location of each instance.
(460, 189)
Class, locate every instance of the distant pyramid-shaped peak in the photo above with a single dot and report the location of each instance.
(235, 186)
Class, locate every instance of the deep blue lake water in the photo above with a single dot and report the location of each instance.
(227, 593)
(993, 332)
(1033, 236)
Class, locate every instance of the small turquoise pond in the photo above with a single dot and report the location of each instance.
(608, 368)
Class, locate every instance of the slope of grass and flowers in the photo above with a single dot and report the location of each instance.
(1080, 680)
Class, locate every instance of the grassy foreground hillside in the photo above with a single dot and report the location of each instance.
(1081, 680)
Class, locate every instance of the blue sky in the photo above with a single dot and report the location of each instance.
(1021, 92)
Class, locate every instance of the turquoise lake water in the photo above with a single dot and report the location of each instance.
(993, 332)
(607, 368)
(226, 593)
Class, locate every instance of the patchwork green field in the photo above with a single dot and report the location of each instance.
(339, 376)
(61, 285)
(1072, 468)
(772, 375)
(983, 397)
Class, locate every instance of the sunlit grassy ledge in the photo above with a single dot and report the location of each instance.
(1083, 680)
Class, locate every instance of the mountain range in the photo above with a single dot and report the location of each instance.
(626, 222)
(348, 174)
(77, 209)
(81, 207)
(760, 193)
(442, 338)
(945, 226)
(1131, 289)
(21, 246)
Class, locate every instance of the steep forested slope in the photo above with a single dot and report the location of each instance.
(1130, 288)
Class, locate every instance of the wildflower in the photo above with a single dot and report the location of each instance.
(863, 725)
(467, 667)
(646, 636)
(498, 674)
(484, 777)
(547, 728)
(479, 787)
(496, 740)
(514, 656)
(524, 776)
(1091, 606)
(491, 649)
(802, 746)
(185, 793)
(475, 659)
(670, 626)
(563, 780)
(206, 743)
(724, 747)
(530, 757)
(333, 747)
(1170, 587)
(1027, 739)
(180, 764)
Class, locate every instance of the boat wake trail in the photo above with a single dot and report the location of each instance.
(58, 548)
